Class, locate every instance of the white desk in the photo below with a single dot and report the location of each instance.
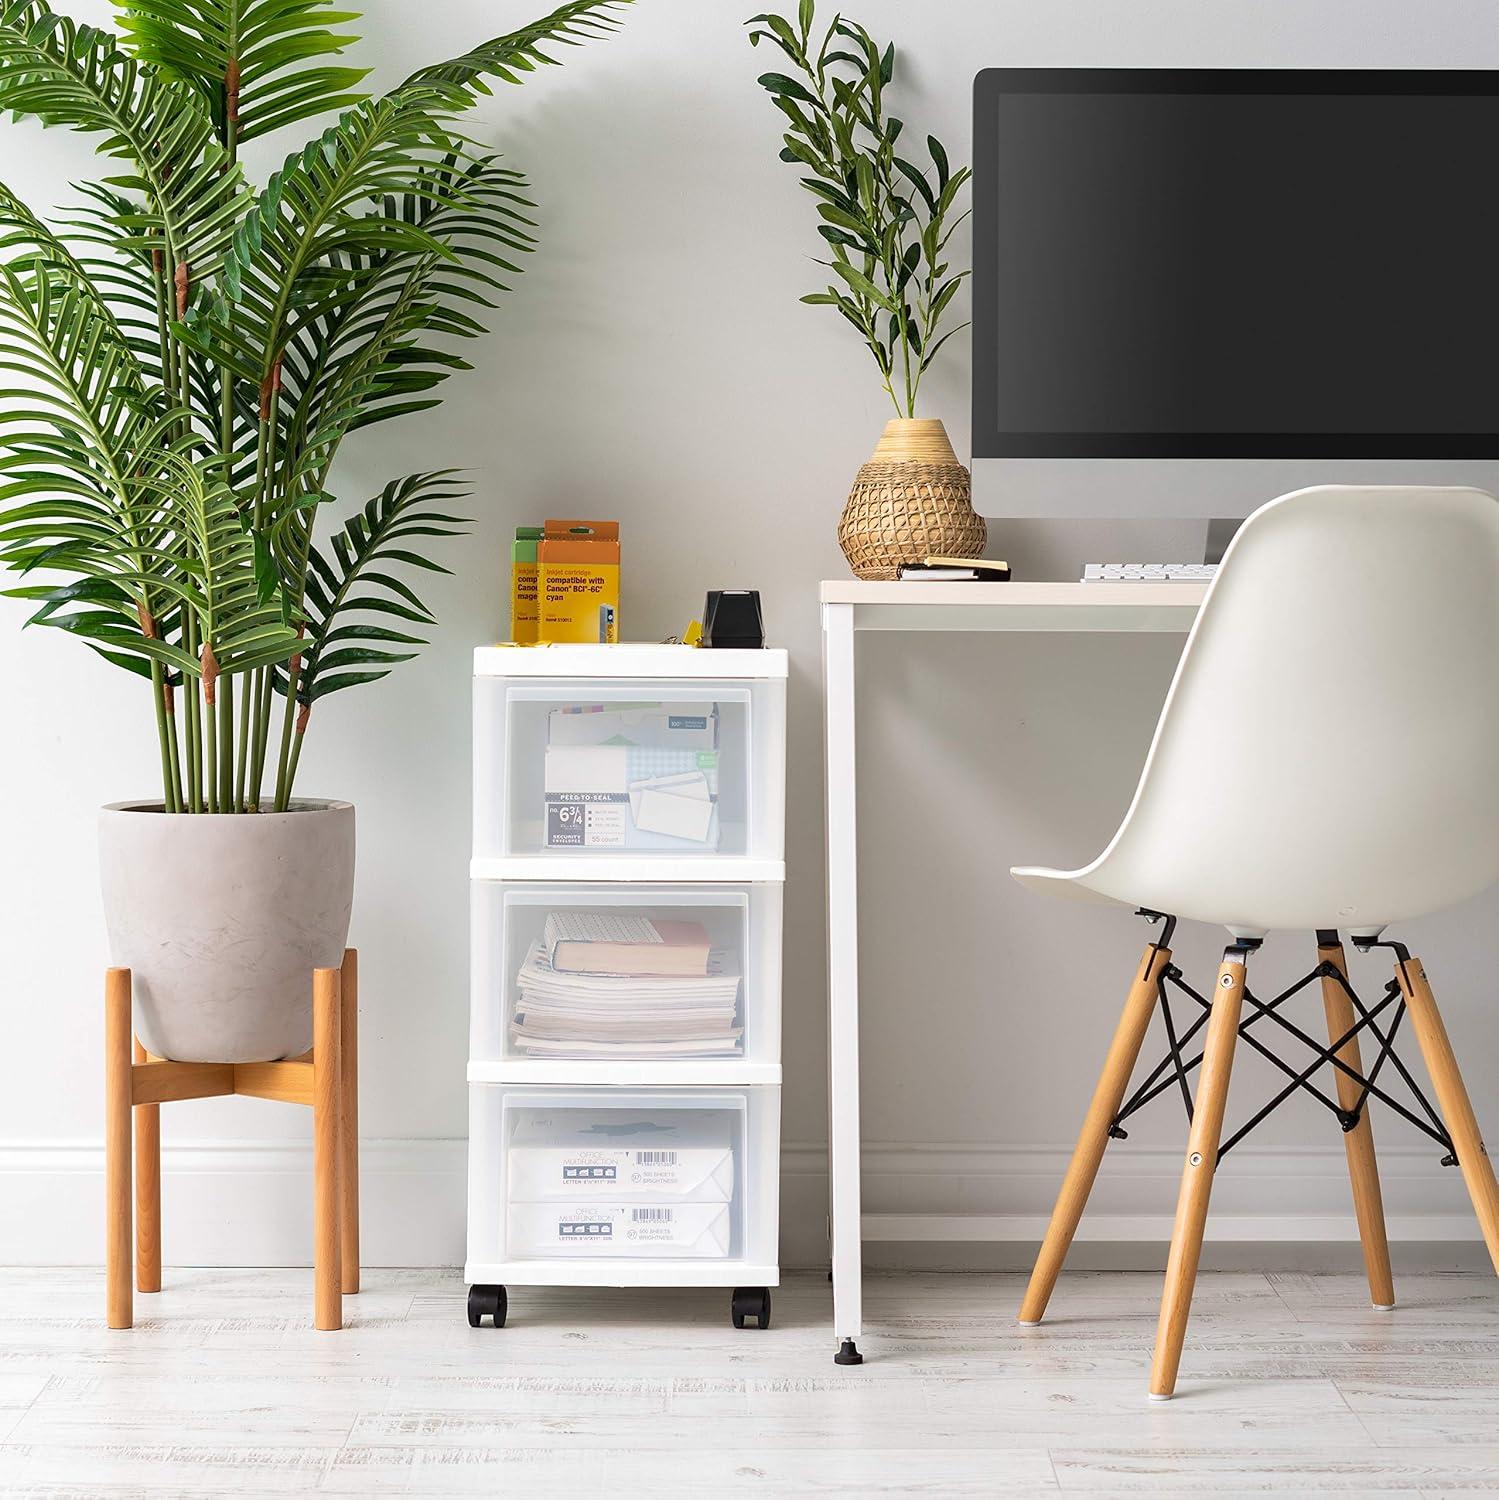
(847, 608)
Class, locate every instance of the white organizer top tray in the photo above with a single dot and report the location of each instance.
(626, 660)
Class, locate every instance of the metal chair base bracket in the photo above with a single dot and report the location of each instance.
(1175, 1069)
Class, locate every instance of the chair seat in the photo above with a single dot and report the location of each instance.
(1085, 885)
(1070, 885)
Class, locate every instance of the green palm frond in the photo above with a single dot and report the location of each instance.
(300, 249)
(353, 578)
(221, 581)
(100, 234)
(255, 63)
(460, 79)
(82, 440)
(373, 356)
(21, 229)
(67, 74)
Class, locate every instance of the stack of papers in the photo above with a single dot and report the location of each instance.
(620, 1183)
(621, 1156)
(563, 1014)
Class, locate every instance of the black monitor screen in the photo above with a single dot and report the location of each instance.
(1236, 264)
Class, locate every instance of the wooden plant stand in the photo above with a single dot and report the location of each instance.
(326, 1078)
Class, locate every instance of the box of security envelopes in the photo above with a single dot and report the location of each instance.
(620, 1156)
(637, 776)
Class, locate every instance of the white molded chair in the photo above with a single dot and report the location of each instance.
(1325, 759)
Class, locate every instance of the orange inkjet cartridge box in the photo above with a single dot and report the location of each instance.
(577, 567)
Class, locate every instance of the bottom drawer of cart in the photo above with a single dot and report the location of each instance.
(608, 1174)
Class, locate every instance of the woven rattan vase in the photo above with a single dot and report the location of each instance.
(912, 500)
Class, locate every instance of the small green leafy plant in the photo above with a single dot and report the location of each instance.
(184, 355)
(886, 220)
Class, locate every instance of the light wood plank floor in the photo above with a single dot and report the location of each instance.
(1290, 1383)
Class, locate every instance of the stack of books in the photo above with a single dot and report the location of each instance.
(600, 985)
(956, 570)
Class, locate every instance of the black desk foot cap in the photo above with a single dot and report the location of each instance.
(848, 1355)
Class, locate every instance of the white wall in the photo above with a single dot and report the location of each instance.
(654, 365)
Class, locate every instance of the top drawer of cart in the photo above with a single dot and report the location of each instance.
(604, 764)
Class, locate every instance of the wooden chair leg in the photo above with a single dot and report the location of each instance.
(118, 1085)
(1358, 1143)
(326, 1212)
(1124, 1050)
(147, 1192)
(1197, 1176)
(1452, 1096)
(348, 1058)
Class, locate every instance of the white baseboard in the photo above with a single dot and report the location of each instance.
(249, 1203)
(236, 1203)
(1005, 1194)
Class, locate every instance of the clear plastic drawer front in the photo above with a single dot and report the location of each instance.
(650, 768)
(598, 973)
(623, 1174)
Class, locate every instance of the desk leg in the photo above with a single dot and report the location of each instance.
(843, 981)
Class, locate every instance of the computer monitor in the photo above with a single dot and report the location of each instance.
(1195, 290)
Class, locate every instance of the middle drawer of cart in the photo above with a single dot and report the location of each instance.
(526, 1008)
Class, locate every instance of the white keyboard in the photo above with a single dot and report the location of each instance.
(1148, 572)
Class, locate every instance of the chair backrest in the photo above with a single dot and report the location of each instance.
(1328, 755)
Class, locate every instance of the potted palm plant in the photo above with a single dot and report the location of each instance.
(187, 353)
(886, 219)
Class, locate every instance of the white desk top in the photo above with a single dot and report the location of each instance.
(908, 605)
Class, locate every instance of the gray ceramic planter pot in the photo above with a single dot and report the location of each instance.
(221, 920)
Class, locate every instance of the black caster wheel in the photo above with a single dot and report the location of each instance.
(751, 1302)
(486, 1301)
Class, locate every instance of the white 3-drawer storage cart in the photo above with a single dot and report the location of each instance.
(625, 1055)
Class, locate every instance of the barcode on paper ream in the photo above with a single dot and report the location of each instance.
(650, 1215)
(655, 1158)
